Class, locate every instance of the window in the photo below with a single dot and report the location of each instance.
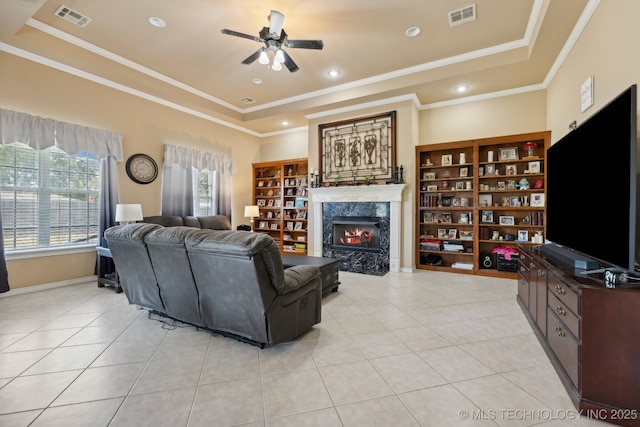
(49, 198)
(204, 192)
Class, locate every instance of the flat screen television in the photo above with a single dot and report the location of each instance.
(592, 184)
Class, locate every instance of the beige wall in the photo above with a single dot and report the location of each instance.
(605, 49)
(145, 127)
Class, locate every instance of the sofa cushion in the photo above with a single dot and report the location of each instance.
(243, 244)
(164, 220)
(214, 222)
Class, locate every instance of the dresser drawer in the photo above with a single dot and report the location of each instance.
(564, 314)
(523, 290)
(564, 345)
(564, 292)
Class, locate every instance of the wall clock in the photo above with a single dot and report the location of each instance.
(142, 169)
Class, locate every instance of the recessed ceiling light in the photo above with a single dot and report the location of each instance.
(285, 123)
(157, 22)
(257, 81)
(412, 31)
(462, 88)
(334, 73)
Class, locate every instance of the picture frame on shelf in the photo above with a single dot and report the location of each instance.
(428, 217)
(453, 233)
(298, 226)
(289, 225)
(260, 183)
(487, 217)
(289, 191)
(269, 215)
(288, 204)
(502, 185)
(429, 175)
(274, 226)
(537, 199)
(538, 183)
(523, 235)
(508, 154)
(511, 184)
(485, 200)
(463, 218)
(277, 203)
(432, 188)
(511, 170)
(261, 202)
(466, 234)
(446, 201)
(464, 172)
(464, 201)
(490, 169)
(447, 160)
(442, 233)
(506, 220)
(481, 171)
(514, 201)
(301, 214)
(263, 224)
(534, 167)
(299, 203)
(445, 218)
(455, 202)
(460, 185)
(270, 203)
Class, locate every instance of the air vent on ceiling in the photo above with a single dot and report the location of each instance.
(461, 16)
(247, 100)
(72, 16)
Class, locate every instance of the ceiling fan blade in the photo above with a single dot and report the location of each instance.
(288, 62)
(253, 57)
(276, 19)
(243, 35)
(305, 44)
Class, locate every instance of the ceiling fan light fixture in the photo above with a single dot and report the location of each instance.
(276, 66)
(279, 57)
(264, 58)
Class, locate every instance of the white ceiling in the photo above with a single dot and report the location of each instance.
(513, 45)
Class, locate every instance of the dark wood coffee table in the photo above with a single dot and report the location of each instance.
(329, 268)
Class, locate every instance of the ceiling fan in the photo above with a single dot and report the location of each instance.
(275, 38)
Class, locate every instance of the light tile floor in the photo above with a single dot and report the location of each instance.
(422, 349)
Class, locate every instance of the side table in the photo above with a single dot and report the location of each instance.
(111, 279)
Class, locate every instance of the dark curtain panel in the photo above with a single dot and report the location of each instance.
(4, 274)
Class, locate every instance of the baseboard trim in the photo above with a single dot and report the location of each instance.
(45, 286)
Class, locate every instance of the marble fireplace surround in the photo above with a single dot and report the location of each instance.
(391, 193)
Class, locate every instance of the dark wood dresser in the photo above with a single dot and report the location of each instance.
(591, 334)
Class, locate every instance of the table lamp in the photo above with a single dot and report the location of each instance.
(251, 212)
(126, 214)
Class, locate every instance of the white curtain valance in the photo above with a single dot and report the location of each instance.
(192, 158)
(40, 133)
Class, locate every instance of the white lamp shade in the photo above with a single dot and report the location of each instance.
(251, 211)
(127, 213)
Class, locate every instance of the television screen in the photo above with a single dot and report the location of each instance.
(592, 183)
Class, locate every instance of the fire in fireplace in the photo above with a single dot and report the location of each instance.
(356, 233)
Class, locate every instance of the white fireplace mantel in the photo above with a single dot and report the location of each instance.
(391, 193)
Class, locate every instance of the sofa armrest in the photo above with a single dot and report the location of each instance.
(297, 276)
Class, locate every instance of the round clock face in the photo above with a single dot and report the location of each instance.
(142, 169)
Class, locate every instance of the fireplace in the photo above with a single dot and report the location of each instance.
(380, 202)
(355, 233)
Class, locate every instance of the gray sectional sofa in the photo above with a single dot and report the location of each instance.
(229, 282)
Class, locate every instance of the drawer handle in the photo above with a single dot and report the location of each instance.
(559, 331)
(560, 311)
(560, 289)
